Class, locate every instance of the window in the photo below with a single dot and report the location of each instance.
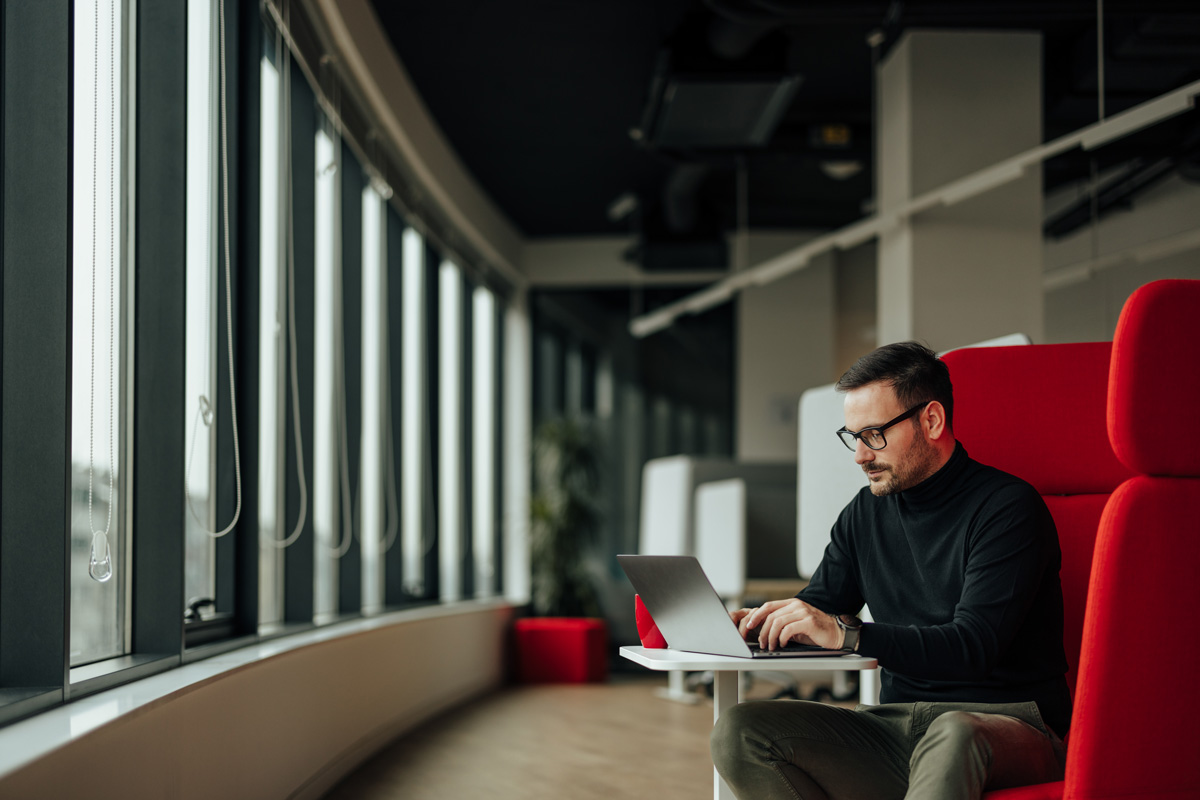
(484, 440)
(374, 435)
(200, 347)
(151, 449)
(99, 365)
(272, 327)
(415, 460)
(327, 317)
(450, 430)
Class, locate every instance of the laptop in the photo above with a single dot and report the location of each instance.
(689, 613)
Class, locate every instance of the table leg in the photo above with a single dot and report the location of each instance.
(677, 689)
(726, 693)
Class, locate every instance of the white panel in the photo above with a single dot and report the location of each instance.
(666, 507)
(721, 534)
(828, 476)
(1009, 340)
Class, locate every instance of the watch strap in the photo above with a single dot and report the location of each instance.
(851, 631)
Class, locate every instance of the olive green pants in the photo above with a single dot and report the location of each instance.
(933, 751)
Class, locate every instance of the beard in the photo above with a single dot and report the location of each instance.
(914, 465)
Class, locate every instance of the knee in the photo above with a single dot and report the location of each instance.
(731, 736)
(960, 731)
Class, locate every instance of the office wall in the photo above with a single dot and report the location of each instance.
(855, 289)
(288, 726)
(786, 342)
(1092, 272)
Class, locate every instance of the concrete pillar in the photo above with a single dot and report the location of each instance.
(950, 103)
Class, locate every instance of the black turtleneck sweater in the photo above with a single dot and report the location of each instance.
(960, 573)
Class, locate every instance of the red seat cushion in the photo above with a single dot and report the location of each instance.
(1077, 519)
(1037, 412)
(1039, 791)
(1154, 381)
(1130, 736)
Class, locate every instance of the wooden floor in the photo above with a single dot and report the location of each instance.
(583, 742)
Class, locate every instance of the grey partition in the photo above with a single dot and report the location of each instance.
(667, 514)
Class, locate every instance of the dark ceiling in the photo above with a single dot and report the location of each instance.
(545, 101)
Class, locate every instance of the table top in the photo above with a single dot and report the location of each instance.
(665, 660)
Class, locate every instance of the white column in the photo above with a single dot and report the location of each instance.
(950, 103)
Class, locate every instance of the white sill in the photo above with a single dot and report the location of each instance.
(24, 742)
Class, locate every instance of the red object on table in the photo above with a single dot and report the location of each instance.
(561, 649)
(648, 632)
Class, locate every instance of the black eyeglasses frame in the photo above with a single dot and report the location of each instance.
(877, 429)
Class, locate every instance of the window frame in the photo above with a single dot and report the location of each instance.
(35, 356)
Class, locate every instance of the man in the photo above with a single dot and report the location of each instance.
(958, 563)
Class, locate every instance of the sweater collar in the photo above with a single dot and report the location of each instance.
(933, 490)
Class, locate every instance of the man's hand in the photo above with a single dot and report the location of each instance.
(740, 618)
(781, 621)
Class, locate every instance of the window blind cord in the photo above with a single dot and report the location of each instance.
(237, 455)
(289, 195)
(100, 557)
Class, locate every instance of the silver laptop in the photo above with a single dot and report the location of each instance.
(689, 613)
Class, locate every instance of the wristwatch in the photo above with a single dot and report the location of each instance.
(851, 627)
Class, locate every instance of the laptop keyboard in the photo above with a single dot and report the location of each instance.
(758, 652)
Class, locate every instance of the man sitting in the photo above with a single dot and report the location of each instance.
(959, 565)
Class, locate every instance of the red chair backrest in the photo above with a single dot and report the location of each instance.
(1038, 412)
(1131, 736)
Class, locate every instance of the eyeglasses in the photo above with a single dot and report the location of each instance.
(873, 437)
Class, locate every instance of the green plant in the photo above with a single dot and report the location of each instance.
(564, 517)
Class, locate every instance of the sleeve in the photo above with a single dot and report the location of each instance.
(1011, 544)
(834, 587)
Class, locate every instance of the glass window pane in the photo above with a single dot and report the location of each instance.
(413, 461)
(450, 410)
(374, 292)
(98, 540)
(518, 393)
(483, 433)
(271, 330)
(200, 363)
(325, 452)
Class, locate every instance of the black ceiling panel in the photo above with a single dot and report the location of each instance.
(544, 101)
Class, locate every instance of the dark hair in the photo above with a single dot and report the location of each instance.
(914, 372)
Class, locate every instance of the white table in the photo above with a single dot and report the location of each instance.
(725, 669)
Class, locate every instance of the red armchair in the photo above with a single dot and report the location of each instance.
(1140, 652)
(1038, 412)
(1135, 637)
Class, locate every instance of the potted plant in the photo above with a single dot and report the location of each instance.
(565, 640)
(564, 517)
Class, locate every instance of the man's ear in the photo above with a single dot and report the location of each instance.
(934, 420)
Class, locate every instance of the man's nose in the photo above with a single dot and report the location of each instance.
(862, 453)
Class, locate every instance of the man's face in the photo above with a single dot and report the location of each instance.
(908, 458)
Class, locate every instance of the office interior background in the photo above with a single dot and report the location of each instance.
(290, 285)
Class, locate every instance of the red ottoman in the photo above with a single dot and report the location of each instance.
(561, 649)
